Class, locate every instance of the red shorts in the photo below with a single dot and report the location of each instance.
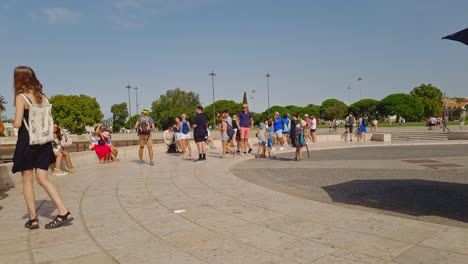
(244, 132)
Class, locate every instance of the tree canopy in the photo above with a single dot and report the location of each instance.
(220, 106)
(119, 116)
(75, 111)
(364, 106)
(431, 98)
(173, 104)
(405, 105)
(333, 109)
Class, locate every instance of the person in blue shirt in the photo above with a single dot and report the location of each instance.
(286, 127)
(278, 130)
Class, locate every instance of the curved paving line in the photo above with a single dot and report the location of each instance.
(144, 227)
(301, 218)
(230, 238)
(85, 225)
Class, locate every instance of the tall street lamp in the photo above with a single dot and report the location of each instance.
(213, 74)
(136, 98)
(251, 98)
(268, 91)
(129, 105)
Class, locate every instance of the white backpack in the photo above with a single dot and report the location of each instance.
(41, 124)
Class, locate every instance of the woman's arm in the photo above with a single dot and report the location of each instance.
(18, 119)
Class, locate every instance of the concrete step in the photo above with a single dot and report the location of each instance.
(412, 136)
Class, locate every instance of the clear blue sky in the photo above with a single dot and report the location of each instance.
(312, 49)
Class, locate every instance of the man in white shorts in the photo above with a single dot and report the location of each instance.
(278, 130)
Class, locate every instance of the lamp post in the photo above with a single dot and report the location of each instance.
(136, 98)
(268, 91)
(129, 105)
(213, 74)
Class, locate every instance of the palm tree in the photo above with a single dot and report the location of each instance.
(3, 103)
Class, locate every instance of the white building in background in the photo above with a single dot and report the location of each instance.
(452, 105)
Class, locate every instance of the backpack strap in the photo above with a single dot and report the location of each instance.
(28, 101)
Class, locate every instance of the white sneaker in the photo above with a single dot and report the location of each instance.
(60, 173)
(281, 148)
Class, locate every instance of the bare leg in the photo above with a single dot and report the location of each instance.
(28, 192)
(150, 152)
(182, 143)
(189, 146)
(43, 180)
(140, 152)
(58, 162)
(66, 155)
(224, 143)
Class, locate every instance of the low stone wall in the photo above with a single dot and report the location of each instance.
(457, 135)
(79, 159)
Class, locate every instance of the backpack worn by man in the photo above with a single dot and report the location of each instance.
(229, 130)
(144, 127)
(351, 120)
(41, 123)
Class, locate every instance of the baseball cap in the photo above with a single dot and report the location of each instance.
(306, 115)
(262, 125)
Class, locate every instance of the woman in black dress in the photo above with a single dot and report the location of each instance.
(295, 134)
(29, 159)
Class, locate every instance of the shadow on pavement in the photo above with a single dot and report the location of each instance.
(45, 208)
(3, 194)
(412, 197)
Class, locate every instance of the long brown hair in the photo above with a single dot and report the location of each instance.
(24, 79)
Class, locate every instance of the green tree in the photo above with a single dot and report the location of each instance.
(333, 109)
(405, 105)
(364, 106)
(431, 98)
(119, 116)
(458, 113)
(3, 104)
(311, 110)
(220, 106)
(130, 124)
(75, 111)
(244, 99)
(173, 104)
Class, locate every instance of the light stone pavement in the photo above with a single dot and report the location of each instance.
(124, 213)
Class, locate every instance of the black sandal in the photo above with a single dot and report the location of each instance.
(59, 221)
(32, 223)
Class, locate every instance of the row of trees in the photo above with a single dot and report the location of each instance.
(77, 111)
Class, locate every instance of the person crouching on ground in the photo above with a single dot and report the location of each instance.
(60, 153)
(97, 143)
(106, 136)
(168, 137)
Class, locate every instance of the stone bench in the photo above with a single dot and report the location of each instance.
(457, 135)
(381, 137)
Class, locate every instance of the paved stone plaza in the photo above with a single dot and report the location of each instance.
(271, 213)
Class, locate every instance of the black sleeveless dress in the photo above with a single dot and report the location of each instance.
(28, 157)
